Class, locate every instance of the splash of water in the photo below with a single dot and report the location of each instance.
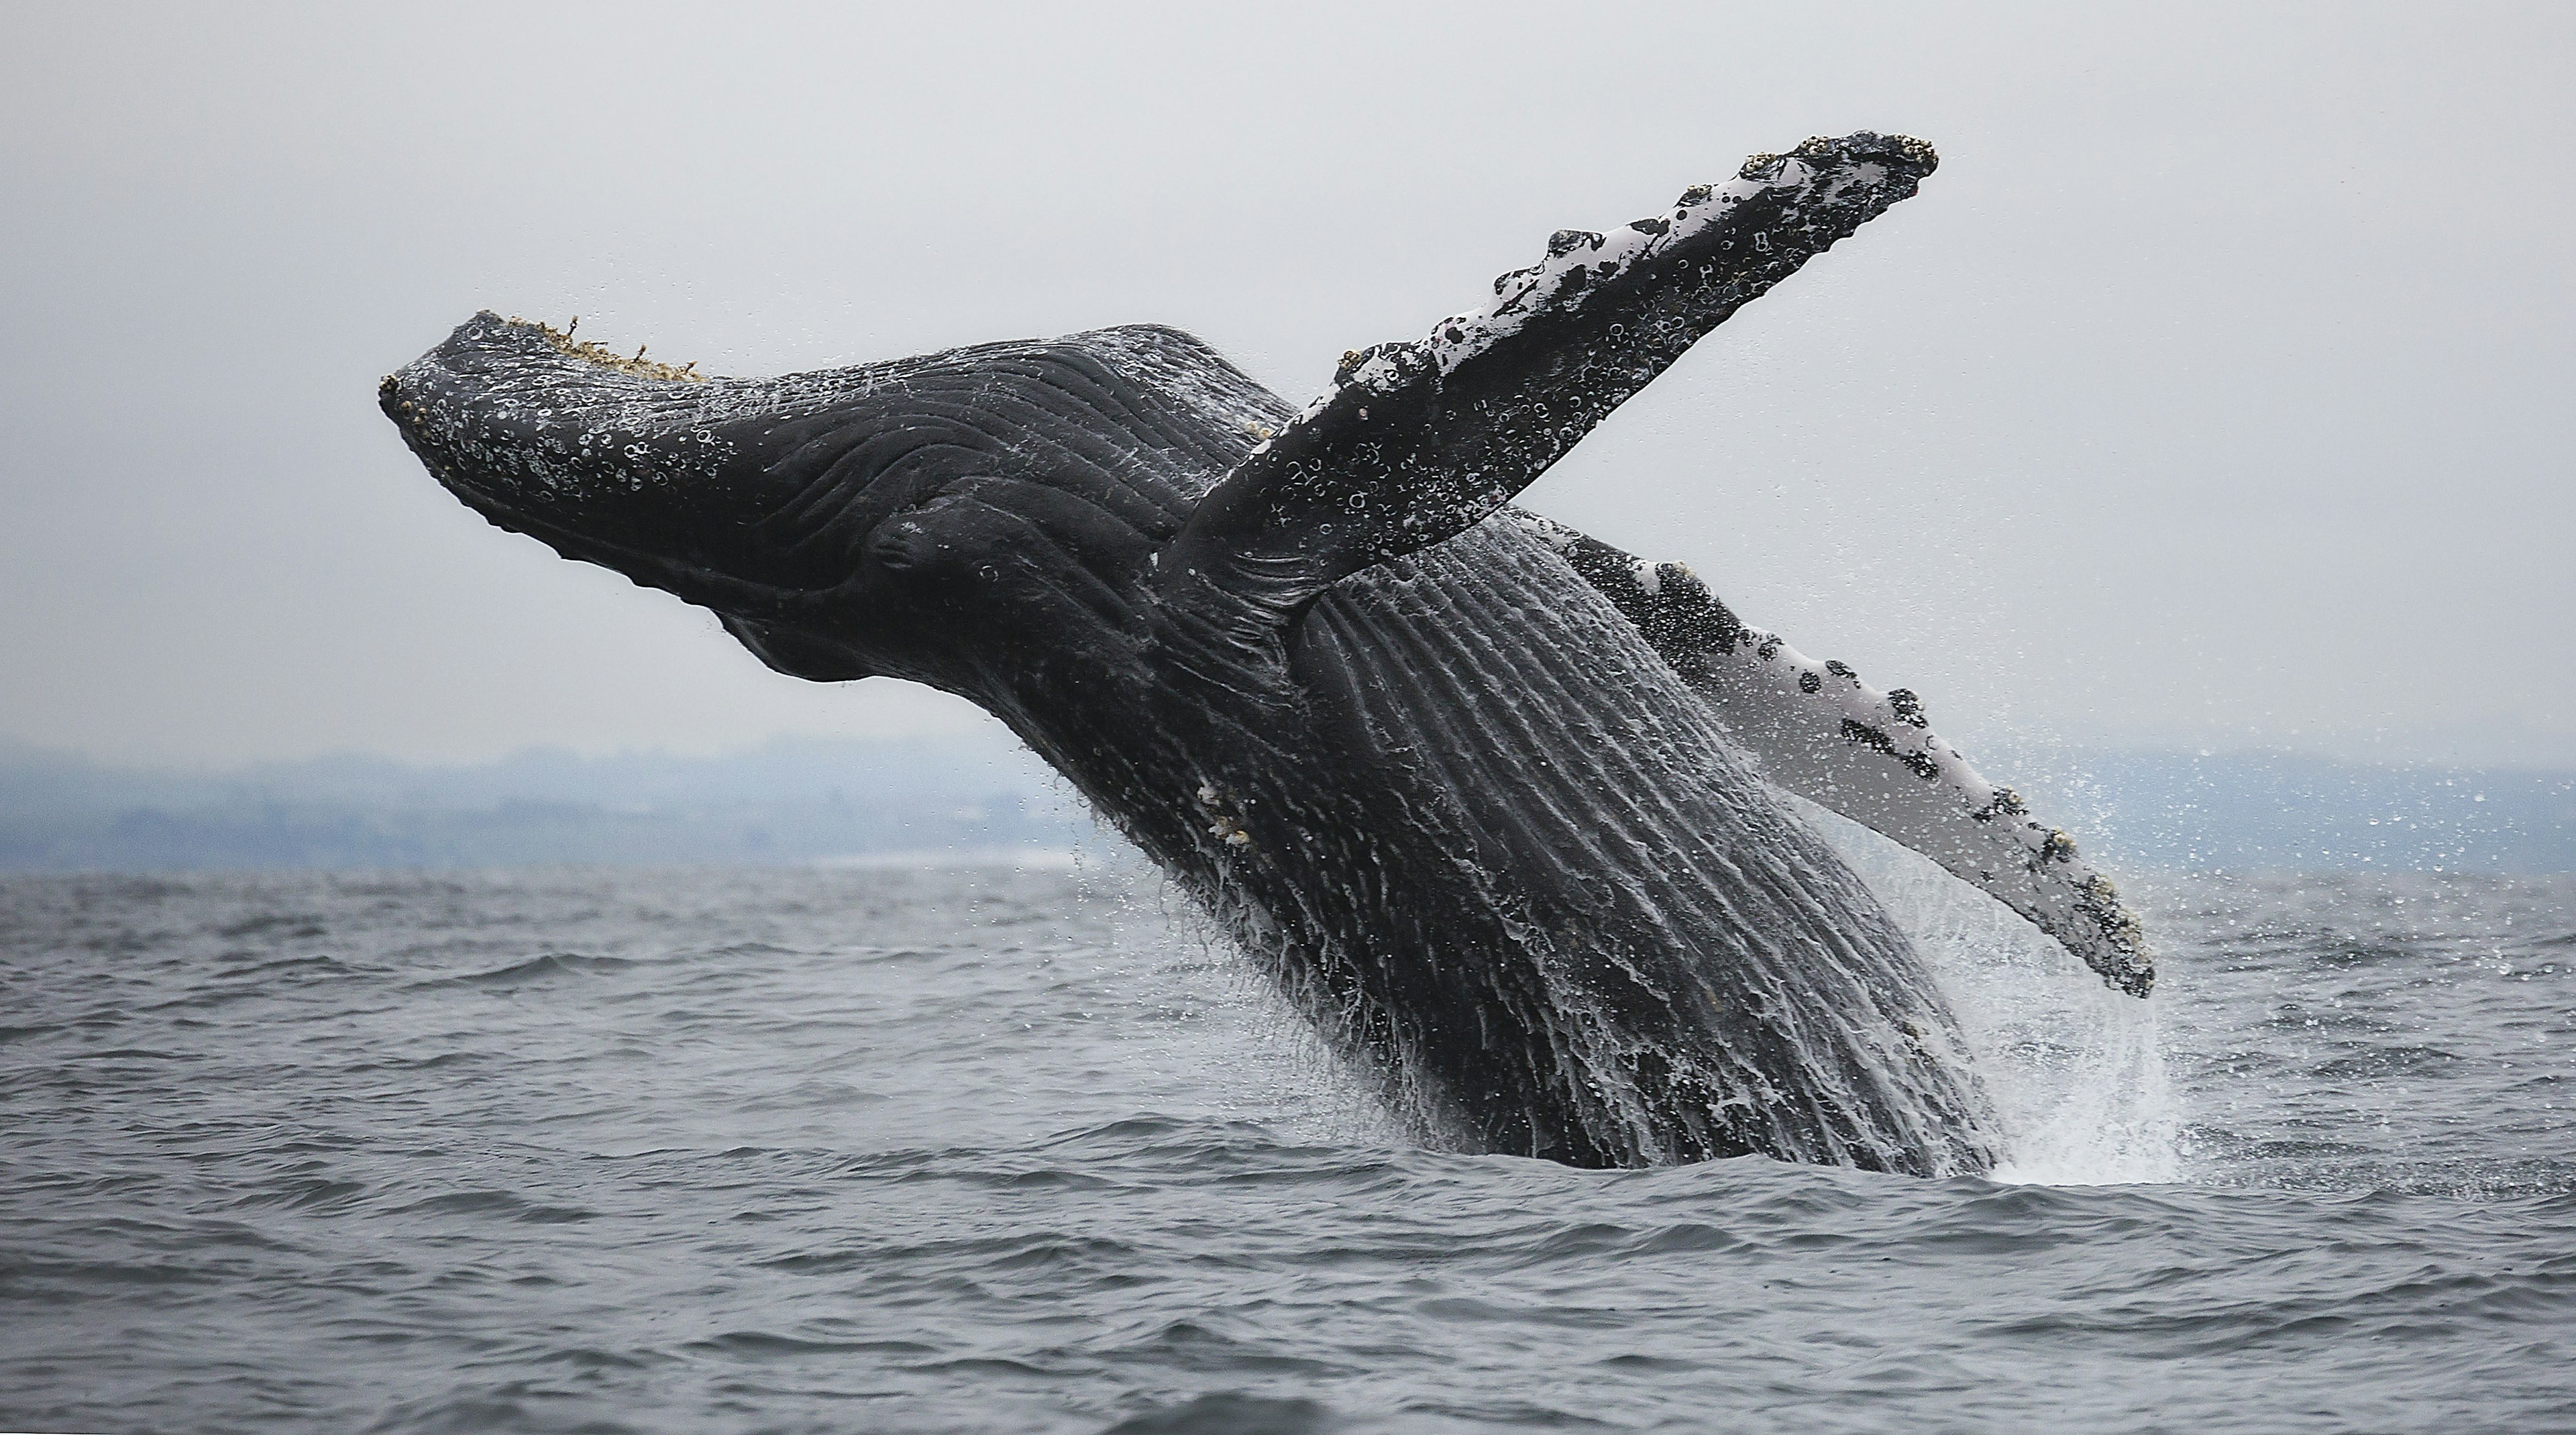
(2074, 1070)
(2078, 1082)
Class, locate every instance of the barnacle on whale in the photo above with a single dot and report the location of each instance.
(592, 352)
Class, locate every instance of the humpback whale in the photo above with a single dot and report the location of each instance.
(1503, 810)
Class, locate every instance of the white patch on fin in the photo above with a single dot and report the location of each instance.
(1815, 729)
(1819, 731)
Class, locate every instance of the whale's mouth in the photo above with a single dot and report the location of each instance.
(707, 587)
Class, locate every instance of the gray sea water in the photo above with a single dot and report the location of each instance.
(1014, 1149)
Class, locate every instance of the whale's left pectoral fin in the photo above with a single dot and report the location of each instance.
(1817, 730)
(1415, 443)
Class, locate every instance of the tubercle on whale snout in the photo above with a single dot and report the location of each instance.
(1429, 774)
(515, 405)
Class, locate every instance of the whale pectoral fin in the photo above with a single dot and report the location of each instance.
(1820, 732)
(1414, 443)
(1872, 756)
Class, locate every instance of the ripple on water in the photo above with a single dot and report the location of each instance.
(993, 1151)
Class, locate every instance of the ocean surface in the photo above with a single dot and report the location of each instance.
(1014, 1148)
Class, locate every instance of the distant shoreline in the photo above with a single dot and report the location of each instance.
(975, 800)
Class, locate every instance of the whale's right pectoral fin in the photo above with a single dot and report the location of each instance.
(1415, 443)
(1820, 732)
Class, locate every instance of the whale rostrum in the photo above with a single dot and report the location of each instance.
(1497, 806)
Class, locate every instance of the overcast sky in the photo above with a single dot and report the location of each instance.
(2216, 391)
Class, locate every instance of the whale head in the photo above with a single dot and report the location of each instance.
(938, 518)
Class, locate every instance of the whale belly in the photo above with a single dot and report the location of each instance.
(1614, 945)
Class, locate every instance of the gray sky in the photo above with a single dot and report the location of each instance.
(2215, 391)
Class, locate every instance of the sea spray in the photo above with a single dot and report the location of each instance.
(2072, 1067)
(1228, 1028)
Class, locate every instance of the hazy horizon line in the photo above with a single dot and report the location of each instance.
(2486, 748)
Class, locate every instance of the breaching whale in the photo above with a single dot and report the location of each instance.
(1498, 806)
